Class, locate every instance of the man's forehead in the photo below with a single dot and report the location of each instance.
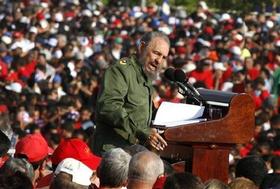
(159, 44)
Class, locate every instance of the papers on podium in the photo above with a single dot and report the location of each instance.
(174, 114)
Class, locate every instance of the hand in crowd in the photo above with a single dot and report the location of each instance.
(156, 141)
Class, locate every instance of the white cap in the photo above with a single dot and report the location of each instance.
(238, 37)
(277, 43)
(44, 4)
(204, 42)
(269, 24)
(203, 5)
(44, 24)
(25, 20)
(87, 12)
(6, 39)
(189, 67)
(227, 86)
(165, 29)
(236, 50)
(58, 17)
(225, 17)
(33, 29)
(58, 54)
(202, 15)
(219, 66)
(52, 42)
(96, 12)
(103, 20)
(81, 173)
(15, 87)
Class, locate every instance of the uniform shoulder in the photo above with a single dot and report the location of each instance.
(125, 61)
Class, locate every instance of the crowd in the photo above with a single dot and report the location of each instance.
(53, 54)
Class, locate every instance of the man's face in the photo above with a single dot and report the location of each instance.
(153, 55)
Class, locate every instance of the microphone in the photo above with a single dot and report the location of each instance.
(180, 76)
(169, 74)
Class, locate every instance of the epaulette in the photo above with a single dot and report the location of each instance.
(124, 61)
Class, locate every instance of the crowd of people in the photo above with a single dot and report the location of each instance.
(53, 55)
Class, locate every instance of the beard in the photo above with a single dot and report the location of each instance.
(151, 74)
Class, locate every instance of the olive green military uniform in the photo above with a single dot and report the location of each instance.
(124, 106)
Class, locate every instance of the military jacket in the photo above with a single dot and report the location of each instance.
(124, 106)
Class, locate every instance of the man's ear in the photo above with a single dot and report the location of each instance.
(141, 46)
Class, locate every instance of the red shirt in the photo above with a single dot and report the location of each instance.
(253, 73)
(205, 76)
(264, 95)
(3, 70)
(44, 182)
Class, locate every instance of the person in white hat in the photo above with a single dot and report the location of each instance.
(219, 69)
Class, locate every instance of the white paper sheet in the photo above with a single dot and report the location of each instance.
(173, 114)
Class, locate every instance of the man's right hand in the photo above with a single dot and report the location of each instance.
(156, 141)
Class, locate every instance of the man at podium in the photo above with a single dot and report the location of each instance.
(124, 104)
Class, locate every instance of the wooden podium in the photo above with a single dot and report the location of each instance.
(205, 146)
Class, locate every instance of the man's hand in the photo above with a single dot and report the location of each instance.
(156, 141)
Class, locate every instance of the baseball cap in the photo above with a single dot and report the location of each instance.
(77, 149)
(33, 146)
(15, 87)
(3, 108)
(81, 173)
(219, 66)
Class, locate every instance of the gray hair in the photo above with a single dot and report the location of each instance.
(215, 184)
(113, 169)
(13, 165)
(145, 166)
(149, 36)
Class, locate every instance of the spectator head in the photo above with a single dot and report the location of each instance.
(271, 181)
(144, 169)
(215, 184)
(251, 167)
(113, 169)
(275, 164)
(183, 181)
(14, 165)
(67, 128)
(35, 150)
(77, 149)
(71, 173)
(243, 183)
(149, 43)
(33, 147)
(5, 144)
(275, 122)
(134, 149)
(15, 181)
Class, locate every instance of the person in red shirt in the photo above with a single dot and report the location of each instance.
(260, 89)
(203, 73)
(252, 71)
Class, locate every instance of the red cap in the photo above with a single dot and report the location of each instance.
(181, 50)
(159, 182)
(208, 30)
(17, 34)
(77, 149)
(3, 108)
(34, 146)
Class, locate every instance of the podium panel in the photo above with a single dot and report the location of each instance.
(205, 146)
